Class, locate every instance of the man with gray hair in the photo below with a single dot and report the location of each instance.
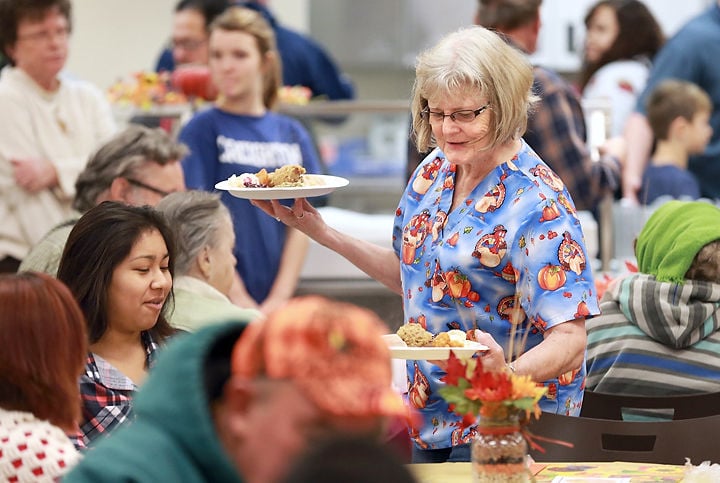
(138, 166)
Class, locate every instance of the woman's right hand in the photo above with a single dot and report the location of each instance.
(301, 215)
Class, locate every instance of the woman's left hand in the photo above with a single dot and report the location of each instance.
(493, 359)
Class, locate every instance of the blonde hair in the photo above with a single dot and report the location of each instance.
(239, 19)
(671, 99)
(475, 60)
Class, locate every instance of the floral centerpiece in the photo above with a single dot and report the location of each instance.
(472, 391)
(500, 402)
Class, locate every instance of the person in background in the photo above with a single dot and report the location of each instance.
(659, 330)
(241, 133)
(190, 32)
(556, 127)
(205, 264)
(679, 115)
(118, 262)
(481, 223)
(40, 361)
(622, 38)
(252, 398)
(50, 124)
(304, 61)
(349, 460)
(689, 55)
(137, 166)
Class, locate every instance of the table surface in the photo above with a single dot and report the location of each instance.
(545, 472)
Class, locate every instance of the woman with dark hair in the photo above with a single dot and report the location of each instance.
(118, 262)
(622, 38)
(40, 361)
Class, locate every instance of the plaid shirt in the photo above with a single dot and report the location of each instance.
(556, 131)
(107, 395)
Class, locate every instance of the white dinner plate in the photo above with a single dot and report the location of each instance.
(400, 350)
(316, 185)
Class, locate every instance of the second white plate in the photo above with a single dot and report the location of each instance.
(400, 350)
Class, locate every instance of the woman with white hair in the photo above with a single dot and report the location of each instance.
(486, 236)
(205, 262)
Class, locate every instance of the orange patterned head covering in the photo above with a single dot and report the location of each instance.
(332, 350)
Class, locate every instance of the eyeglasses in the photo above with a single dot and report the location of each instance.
(462, 116)
(144, 186)
(187, 44)
(46, 36)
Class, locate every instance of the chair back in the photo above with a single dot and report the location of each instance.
(614, 406)
(663, 442)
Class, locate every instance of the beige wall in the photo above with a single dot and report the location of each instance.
(114, 38)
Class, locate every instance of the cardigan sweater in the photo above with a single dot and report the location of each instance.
(63, 127)
(33, 450)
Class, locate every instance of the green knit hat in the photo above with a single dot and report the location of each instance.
(673, 235)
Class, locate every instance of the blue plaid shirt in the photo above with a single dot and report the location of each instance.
(556, 132)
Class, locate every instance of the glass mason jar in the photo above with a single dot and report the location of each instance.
(499, 451)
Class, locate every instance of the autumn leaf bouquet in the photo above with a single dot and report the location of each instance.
(500, 402)
(471, 391)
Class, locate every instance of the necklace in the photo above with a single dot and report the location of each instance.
(60, 121)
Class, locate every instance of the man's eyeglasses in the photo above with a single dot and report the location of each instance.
(462, 116)
(144, 186)
(187, 44)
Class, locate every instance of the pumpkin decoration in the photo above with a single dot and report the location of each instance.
(551, 277)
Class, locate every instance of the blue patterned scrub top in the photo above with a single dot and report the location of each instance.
(512, 254)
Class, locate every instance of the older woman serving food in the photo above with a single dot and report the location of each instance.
(486, 236)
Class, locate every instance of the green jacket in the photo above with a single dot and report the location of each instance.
(172, 438)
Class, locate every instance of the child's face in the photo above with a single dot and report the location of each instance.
(699, 133)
